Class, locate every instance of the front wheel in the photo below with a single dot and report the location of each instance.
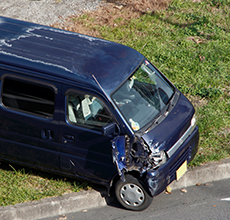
(132, 194)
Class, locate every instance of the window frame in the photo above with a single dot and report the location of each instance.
(82, 93)
(30, 82)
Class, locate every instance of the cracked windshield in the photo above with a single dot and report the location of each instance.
(143, 96)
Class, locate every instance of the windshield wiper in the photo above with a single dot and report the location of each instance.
(155, 122)
(167, 107)
(164, 112)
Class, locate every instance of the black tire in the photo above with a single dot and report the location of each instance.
(132, 194)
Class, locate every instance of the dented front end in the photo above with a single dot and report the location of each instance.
(156, 161)
(163, 136)
(137, 156)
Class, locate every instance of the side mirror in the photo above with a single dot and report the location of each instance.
(110, 129)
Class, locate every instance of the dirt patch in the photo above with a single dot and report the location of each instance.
(197, 101)
(109, 14)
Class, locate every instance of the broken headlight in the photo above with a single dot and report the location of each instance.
(157, 158)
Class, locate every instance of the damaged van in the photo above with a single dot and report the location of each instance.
(88, 108)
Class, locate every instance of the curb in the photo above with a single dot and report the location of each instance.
(213, 171)
(80, 201)
(53, 206)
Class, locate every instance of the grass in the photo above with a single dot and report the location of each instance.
(19, 185)
(189, 42)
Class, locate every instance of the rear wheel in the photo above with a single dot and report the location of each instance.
(132, 194)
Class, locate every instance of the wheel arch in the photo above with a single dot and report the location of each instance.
(135, 174)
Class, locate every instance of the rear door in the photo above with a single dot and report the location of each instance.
(29, 121)
(84, 151)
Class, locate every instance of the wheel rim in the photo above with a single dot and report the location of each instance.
(132, 194)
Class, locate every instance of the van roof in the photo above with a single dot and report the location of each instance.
(66, 55)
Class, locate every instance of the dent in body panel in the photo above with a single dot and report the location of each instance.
(136, 156)
(152, 185)
(118, 154)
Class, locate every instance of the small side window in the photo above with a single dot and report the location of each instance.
(87, 110)
(28, 97)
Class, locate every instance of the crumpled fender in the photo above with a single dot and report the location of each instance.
(135, 156)
(119, 156)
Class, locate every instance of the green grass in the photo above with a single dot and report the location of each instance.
(18, 185)
(189, 42)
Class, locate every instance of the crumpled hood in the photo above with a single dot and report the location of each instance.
(173, 126)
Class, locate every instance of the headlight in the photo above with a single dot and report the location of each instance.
(193, 121)
(157, 159)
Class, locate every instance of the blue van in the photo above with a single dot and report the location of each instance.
(88, 108)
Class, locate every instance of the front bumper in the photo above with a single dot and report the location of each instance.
(158, 180)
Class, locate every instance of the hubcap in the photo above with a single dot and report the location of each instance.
(132, 194)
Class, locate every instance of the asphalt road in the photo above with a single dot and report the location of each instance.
(209, 201)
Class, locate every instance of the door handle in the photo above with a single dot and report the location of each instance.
(47, 134)
(68, 138)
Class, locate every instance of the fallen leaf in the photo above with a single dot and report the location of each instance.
(168, 190)
(201, 58)
(184, 190)
(207, 184)
(119, 7)
(198, 184)
(197, 41)
(62, 217)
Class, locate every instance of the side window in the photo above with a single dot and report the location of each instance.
(87, 110)
(28, 97)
